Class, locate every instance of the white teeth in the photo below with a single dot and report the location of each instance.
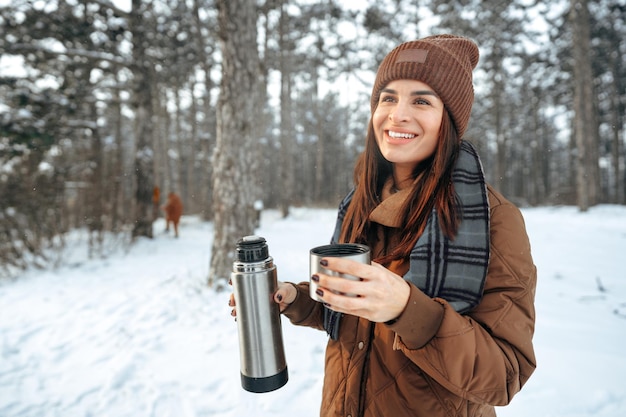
(401, 135)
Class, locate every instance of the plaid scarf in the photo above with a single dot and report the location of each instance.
(454, 270)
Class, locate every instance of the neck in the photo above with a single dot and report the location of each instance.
(402, 178)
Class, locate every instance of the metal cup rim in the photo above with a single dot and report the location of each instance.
(340, 249)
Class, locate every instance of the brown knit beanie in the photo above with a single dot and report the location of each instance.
(444, 62)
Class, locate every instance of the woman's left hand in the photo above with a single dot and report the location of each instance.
(381, 295)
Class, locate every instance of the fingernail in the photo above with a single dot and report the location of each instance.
(279, 297)
(315, 278)
(324, 262)
(319, 292)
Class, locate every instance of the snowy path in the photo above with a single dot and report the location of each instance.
(139, 334)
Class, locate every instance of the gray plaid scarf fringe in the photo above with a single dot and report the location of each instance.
(454, 270)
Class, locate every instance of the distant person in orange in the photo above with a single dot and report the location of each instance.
(173, 209)
(156, 202)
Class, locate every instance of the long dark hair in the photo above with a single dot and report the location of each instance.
(432, 188)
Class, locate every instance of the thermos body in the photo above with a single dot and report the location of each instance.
(262, 357)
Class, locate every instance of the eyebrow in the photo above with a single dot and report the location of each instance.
(413, 93)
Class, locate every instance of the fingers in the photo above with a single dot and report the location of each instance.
(231, 303)
(354, 274)
(284, 296)
(377, 295)
(281, 293)
(340, 285)
(347, 266)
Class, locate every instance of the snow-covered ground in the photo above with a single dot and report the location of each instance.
(140, 334)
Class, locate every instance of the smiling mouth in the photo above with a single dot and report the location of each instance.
(398, 135)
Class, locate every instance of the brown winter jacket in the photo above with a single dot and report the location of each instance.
(464, 367)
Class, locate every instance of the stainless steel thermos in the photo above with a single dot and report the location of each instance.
(261, 352)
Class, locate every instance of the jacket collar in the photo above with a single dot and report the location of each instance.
(387, 212)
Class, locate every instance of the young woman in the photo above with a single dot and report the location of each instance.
(444, 318)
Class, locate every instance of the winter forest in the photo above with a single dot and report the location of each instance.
(232, 102)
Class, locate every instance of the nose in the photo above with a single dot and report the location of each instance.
(399, 113)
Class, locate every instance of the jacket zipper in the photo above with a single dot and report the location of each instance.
(365, 371)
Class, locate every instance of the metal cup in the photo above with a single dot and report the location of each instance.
(354, 251)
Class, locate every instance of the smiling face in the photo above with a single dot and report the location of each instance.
(406, 124)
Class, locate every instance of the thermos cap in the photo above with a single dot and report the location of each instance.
(252, 249)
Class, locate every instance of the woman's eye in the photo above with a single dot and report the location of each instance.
(422, 101)
(386, 99)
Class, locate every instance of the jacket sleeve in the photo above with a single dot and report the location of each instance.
(304, 311)
(486, 355)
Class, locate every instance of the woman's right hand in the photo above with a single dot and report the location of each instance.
(284, 296)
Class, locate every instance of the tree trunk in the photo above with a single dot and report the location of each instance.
(286, 124)
(164, 136)
(584, 120)
(181, 143)
(193, 147)
(320, 151)
(117, 198)
(207, 136)
(234, 158)
(95, 193)
(617, 116)
(142, 103)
